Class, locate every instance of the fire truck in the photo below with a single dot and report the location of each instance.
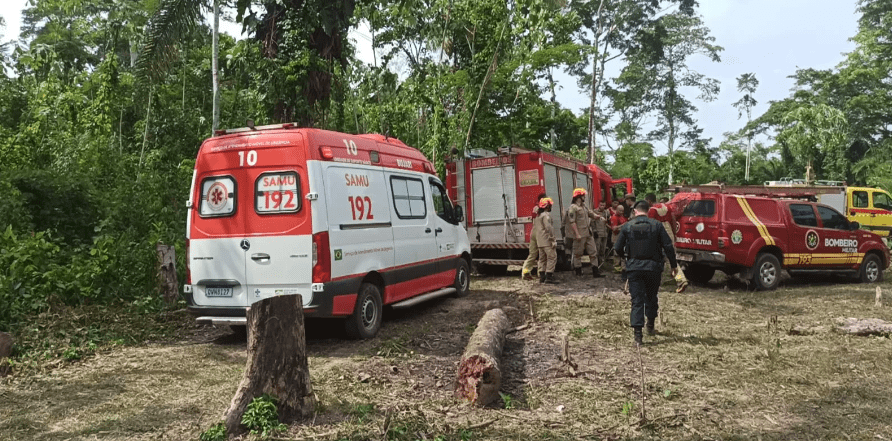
(498, 191)
(870, 207)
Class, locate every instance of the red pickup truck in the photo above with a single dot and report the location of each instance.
(759, 236)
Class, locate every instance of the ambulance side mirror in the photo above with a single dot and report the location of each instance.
(458, 214)
(854, 226)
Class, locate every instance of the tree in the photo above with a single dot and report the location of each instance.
(609, 30)
(747, 84)
(660, 62)
(818, 133)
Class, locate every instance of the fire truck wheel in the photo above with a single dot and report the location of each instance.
(366, 319)
(462, 279)
(871, 269)
(701, 274)
(766, 273)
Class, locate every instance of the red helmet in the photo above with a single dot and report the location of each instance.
(579, 192)
(545, 203)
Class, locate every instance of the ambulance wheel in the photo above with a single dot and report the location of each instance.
(767, 272)
(366, 319)
(871, 269)
(701, 274)
(462, 279)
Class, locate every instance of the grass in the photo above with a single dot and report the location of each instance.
(724, 366)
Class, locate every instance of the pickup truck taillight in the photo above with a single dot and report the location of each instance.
(722, 238)
(321, 258)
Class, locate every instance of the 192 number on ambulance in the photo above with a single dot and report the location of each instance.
(361, 207)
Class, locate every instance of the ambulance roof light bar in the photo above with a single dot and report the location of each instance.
(252, 128)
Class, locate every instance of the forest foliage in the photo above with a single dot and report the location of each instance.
(106, 102)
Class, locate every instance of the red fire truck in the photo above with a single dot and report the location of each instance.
(498, 190)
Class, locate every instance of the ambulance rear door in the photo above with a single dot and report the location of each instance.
(277, 242)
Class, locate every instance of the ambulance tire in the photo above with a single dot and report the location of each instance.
(767, 272)
(365, 321)
(462, 279)
(871, 269)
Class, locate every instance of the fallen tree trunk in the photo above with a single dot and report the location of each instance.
(277, 362)
(864, 326)
(479, 373)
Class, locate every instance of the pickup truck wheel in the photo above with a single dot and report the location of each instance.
(766, 273)
(701, 274)
(462, 279)
(365, 321)
(871, 269)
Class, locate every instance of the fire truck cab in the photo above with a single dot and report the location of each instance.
(498, 192)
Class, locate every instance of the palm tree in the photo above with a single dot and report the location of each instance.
(174, 20)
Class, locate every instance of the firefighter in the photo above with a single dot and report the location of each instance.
(662, 213)
(527, 272)
(645, 243)
(545, 241)
(599, 227)
(580, 219)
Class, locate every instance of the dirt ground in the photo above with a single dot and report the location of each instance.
(728, 363)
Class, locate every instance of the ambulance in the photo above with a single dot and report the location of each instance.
(350, 222)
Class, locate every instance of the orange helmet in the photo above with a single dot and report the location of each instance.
(545, 203)
(579, 192)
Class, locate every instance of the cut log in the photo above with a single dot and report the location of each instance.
(479, 373)
(864, 326)
(277, 362)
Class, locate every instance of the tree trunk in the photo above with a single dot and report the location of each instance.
(277, 362)
(167, 273)
(479, 373)
(215, 54)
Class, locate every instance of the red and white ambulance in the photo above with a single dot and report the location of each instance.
(349, 222)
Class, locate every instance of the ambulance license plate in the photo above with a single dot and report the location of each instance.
(685, 257)
(213, 291)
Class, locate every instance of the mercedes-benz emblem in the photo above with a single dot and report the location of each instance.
(245, 244)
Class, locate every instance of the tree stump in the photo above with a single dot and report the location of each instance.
(167, 273)
(479, 373)
(277, 362)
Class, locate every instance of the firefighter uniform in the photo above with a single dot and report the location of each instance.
(644, 242)
(527, 272)
(546, 242)
(599, 227)
(581, 217)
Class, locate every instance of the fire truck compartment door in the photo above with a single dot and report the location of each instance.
(489, 185)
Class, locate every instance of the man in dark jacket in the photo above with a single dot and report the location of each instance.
(644, 243)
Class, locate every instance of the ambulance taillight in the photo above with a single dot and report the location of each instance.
(321, 258)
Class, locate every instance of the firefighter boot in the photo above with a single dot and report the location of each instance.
(527, 275)
(542, 277)
(596, 272)
(578, 271)
(650, 327)
(639, 337)
(549, 278)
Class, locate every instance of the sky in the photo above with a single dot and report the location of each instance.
(769, 38)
